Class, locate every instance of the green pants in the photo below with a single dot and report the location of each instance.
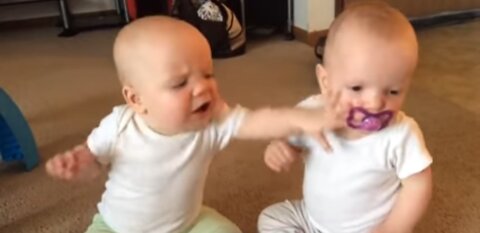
(209, 221)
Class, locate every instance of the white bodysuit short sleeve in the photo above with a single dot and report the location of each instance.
(229, 127)
(101, 139)
(411, 155)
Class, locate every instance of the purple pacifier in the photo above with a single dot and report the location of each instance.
(370, 121)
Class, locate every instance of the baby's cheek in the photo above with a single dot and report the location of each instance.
(348, 101)
(173, 120)
(170, 112)
(395, 105)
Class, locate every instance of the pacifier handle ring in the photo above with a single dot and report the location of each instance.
(387, 115)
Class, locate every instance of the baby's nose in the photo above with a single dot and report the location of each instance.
(375, 103)
(201, 87)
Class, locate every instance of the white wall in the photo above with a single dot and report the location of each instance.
(300, 13)
(37, 10)
(321, 14)
(313, 15)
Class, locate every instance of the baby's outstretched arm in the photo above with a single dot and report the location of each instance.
(274, 123)
(269, 123)
(76, 164)
(412, 201)
(280, 155)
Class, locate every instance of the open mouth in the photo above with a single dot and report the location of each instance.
(202, 108)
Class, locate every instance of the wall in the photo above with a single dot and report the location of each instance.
(313, 15)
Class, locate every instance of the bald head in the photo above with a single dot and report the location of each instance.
(146, 41)
(367, 22)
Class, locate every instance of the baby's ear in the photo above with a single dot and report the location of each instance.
(133, 99)
(322, 75)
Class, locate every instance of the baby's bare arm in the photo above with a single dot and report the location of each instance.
(76, 164)
(272, 123)
(411, 204)
(267, 123)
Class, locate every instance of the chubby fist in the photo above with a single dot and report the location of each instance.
(279, 155)
(75, 164)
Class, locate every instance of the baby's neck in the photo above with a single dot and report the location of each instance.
(158, 129)
(166, 130)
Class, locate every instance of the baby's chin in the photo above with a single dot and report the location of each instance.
(352, 134)
(199, 122)
(198, 125)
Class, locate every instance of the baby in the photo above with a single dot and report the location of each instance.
(377, 178)
(158, 147)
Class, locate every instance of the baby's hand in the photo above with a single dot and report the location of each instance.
(335, 112)
(279, 155)
(329, 117)
(72, 164)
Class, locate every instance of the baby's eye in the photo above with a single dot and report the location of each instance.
(356, 88)
(393, 92)
(209, 76)
(180, 84)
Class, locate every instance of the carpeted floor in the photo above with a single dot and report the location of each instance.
(65, 85)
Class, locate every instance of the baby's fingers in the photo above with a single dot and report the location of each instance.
(278, 156)
(61, 166)
(342, 110)
(69, 160)
(55, 166)
(320, 137)
(50, 167)
(339, 122)
(285, 161)
(273, 164)
(274, 157)
(334, 98)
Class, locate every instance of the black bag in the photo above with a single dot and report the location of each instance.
(216, 22)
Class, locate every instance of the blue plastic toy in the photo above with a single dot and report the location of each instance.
(16, 139)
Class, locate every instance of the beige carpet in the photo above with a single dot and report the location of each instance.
(65, 85)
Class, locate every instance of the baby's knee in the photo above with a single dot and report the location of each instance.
(98, 225)
(213, 222)
(267, 214)
(270, 215)
(227, 227)
(276, 209)
(279, 216)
